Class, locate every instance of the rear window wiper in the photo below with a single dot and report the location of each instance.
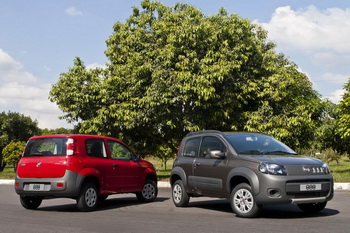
(33, 155)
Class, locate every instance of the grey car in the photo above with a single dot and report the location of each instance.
(251, 170)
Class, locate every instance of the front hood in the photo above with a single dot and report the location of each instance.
(286, 159)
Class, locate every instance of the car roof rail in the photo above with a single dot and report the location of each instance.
(204, 132)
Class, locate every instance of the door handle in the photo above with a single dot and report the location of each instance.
(197, 164)
(115, 165)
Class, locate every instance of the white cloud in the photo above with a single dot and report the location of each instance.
(73, 11)
(331, 59)
(22, 92)
(10, 70)
(334, 78)
(310, 28)
(47, 68)
(336, 96)
(94, 66)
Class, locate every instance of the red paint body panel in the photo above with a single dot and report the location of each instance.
(47, 157)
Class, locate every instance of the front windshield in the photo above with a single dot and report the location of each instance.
(258, 144)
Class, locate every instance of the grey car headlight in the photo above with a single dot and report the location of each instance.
(272, 168)
(326, 168)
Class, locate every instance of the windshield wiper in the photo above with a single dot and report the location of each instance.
(251, 152)
(278, 152)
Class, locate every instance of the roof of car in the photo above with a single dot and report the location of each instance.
(220, 132)
(73, 136)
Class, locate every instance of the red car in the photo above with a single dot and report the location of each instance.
(83, 167)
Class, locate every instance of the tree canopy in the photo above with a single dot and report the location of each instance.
(344, 111)
(12, 153)
(15, 127)
(173, 70)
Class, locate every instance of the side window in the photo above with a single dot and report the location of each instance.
(95, 148)
(211, 144)
(191, 147)
(119, 151)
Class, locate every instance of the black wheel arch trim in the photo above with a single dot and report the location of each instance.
(247, 174)
(178, 171)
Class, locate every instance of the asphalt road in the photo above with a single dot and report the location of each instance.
(123, 213)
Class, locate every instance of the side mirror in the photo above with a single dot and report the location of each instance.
(216, 154)
(136, 157)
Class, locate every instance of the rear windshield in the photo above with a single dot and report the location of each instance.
(46, 147)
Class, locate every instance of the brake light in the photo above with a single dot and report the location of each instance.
(144, 164)
(71, 147)
(60, 185)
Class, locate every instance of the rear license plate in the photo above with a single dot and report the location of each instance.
(36, 187)
(310, 187)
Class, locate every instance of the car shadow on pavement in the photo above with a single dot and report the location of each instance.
(115, 202)
(292, 211)
(221, 205)
(268, 211)
(110, 203)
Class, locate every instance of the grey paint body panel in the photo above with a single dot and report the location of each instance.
(266, 188)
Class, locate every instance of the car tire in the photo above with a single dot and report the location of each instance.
(88, 197)
(149, 191)
(311, 208)
(243, 202)
(179, 194)
(30, 203)
(102, 198)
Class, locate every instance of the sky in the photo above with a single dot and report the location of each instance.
(39, 40)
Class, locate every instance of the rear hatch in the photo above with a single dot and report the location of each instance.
(43, 157)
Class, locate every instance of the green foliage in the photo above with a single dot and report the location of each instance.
(15, 127)
(164, 154)
(12, 153)
(58, 131)
(327, 134)
(344, 111)
(173, 70)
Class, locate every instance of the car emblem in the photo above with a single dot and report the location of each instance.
(38, 164)
(307, 169)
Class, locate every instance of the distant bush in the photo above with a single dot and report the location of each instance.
(328, 155)
(12, 153)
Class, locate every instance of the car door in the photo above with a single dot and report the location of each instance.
(44, 157)
(127, 172)
(189, 153)
(97, 158)
(209, 174)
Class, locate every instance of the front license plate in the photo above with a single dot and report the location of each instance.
(36, 187)
(310, 187)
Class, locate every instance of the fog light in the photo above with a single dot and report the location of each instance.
(274, 192)
(60, 185)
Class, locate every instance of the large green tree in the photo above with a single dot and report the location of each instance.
(327, 134)
(15, 127)
(344, 112)
(173, 70)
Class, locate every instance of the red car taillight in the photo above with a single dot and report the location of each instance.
(71, 147)
(60, 185)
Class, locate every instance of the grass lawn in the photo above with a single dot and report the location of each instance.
(341, 171)
(7, 173)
